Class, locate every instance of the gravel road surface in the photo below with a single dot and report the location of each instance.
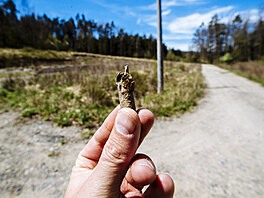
(215, 151)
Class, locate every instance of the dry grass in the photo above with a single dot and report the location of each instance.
(85, 95)
(253, 70)
(28, 57)
(38, 58)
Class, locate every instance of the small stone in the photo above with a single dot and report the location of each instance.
(51, 149)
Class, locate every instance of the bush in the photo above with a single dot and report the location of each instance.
(227, 58)
(29, 112)
(262, 59)
(172, 57)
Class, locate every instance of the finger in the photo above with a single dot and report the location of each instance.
(119, 149)
(163, 187)
(141, 172)
(91, 153)
(146, 118)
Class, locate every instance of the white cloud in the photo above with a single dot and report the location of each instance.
(138, 21)
(189, 23)
(165, 4)
(150, 19)
(115, 7)
(166, 12)
(170, 3)
(177, 37)
(252, 15)
(180, 46)
(149, 7)
(153, 24)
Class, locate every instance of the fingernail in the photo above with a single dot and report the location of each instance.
(124, 122)
(145, 162)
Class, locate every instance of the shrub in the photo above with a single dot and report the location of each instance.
(172, 57)
(227, 58)
(262, 59)
(29, 112)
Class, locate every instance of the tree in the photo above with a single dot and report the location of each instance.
(240, 39)
(77, 34)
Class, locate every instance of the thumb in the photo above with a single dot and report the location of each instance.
(119, 149)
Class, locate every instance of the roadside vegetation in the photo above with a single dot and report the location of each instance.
(85, 97)
(253, 70)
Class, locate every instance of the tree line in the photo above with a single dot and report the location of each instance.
(79, 34)
(238, 40)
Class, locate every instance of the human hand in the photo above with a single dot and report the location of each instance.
(107, 167)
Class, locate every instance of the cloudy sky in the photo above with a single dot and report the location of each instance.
(180, 17)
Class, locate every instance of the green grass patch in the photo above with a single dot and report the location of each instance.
(29, 112)
(85, 98)
(87, 134)
(53, 154)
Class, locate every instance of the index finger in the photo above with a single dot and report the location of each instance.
(92, 151)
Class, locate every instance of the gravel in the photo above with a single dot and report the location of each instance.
(33, 161)
(218, 149)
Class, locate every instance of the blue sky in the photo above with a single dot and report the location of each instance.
(180, 17)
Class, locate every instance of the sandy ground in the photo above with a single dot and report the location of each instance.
(215, 151)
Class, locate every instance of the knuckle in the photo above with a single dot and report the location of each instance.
(116, 154)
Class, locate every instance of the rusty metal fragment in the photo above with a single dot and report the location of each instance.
(125, 87)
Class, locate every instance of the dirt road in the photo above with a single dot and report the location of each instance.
(215, 151)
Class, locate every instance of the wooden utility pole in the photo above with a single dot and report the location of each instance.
(159, 50)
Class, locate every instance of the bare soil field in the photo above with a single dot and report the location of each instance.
(215, 151)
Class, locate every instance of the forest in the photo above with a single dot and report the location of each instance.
(239, 40)
(79, 34)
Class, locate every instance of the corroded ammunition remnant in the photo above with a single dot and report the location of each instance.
(125, 87)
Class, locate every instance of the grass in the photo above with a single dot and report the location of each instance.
(53, 154)
(63, 141)
(87, 134)
(29, 56)
(86, 97)
(253, 70)
(14, 75)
